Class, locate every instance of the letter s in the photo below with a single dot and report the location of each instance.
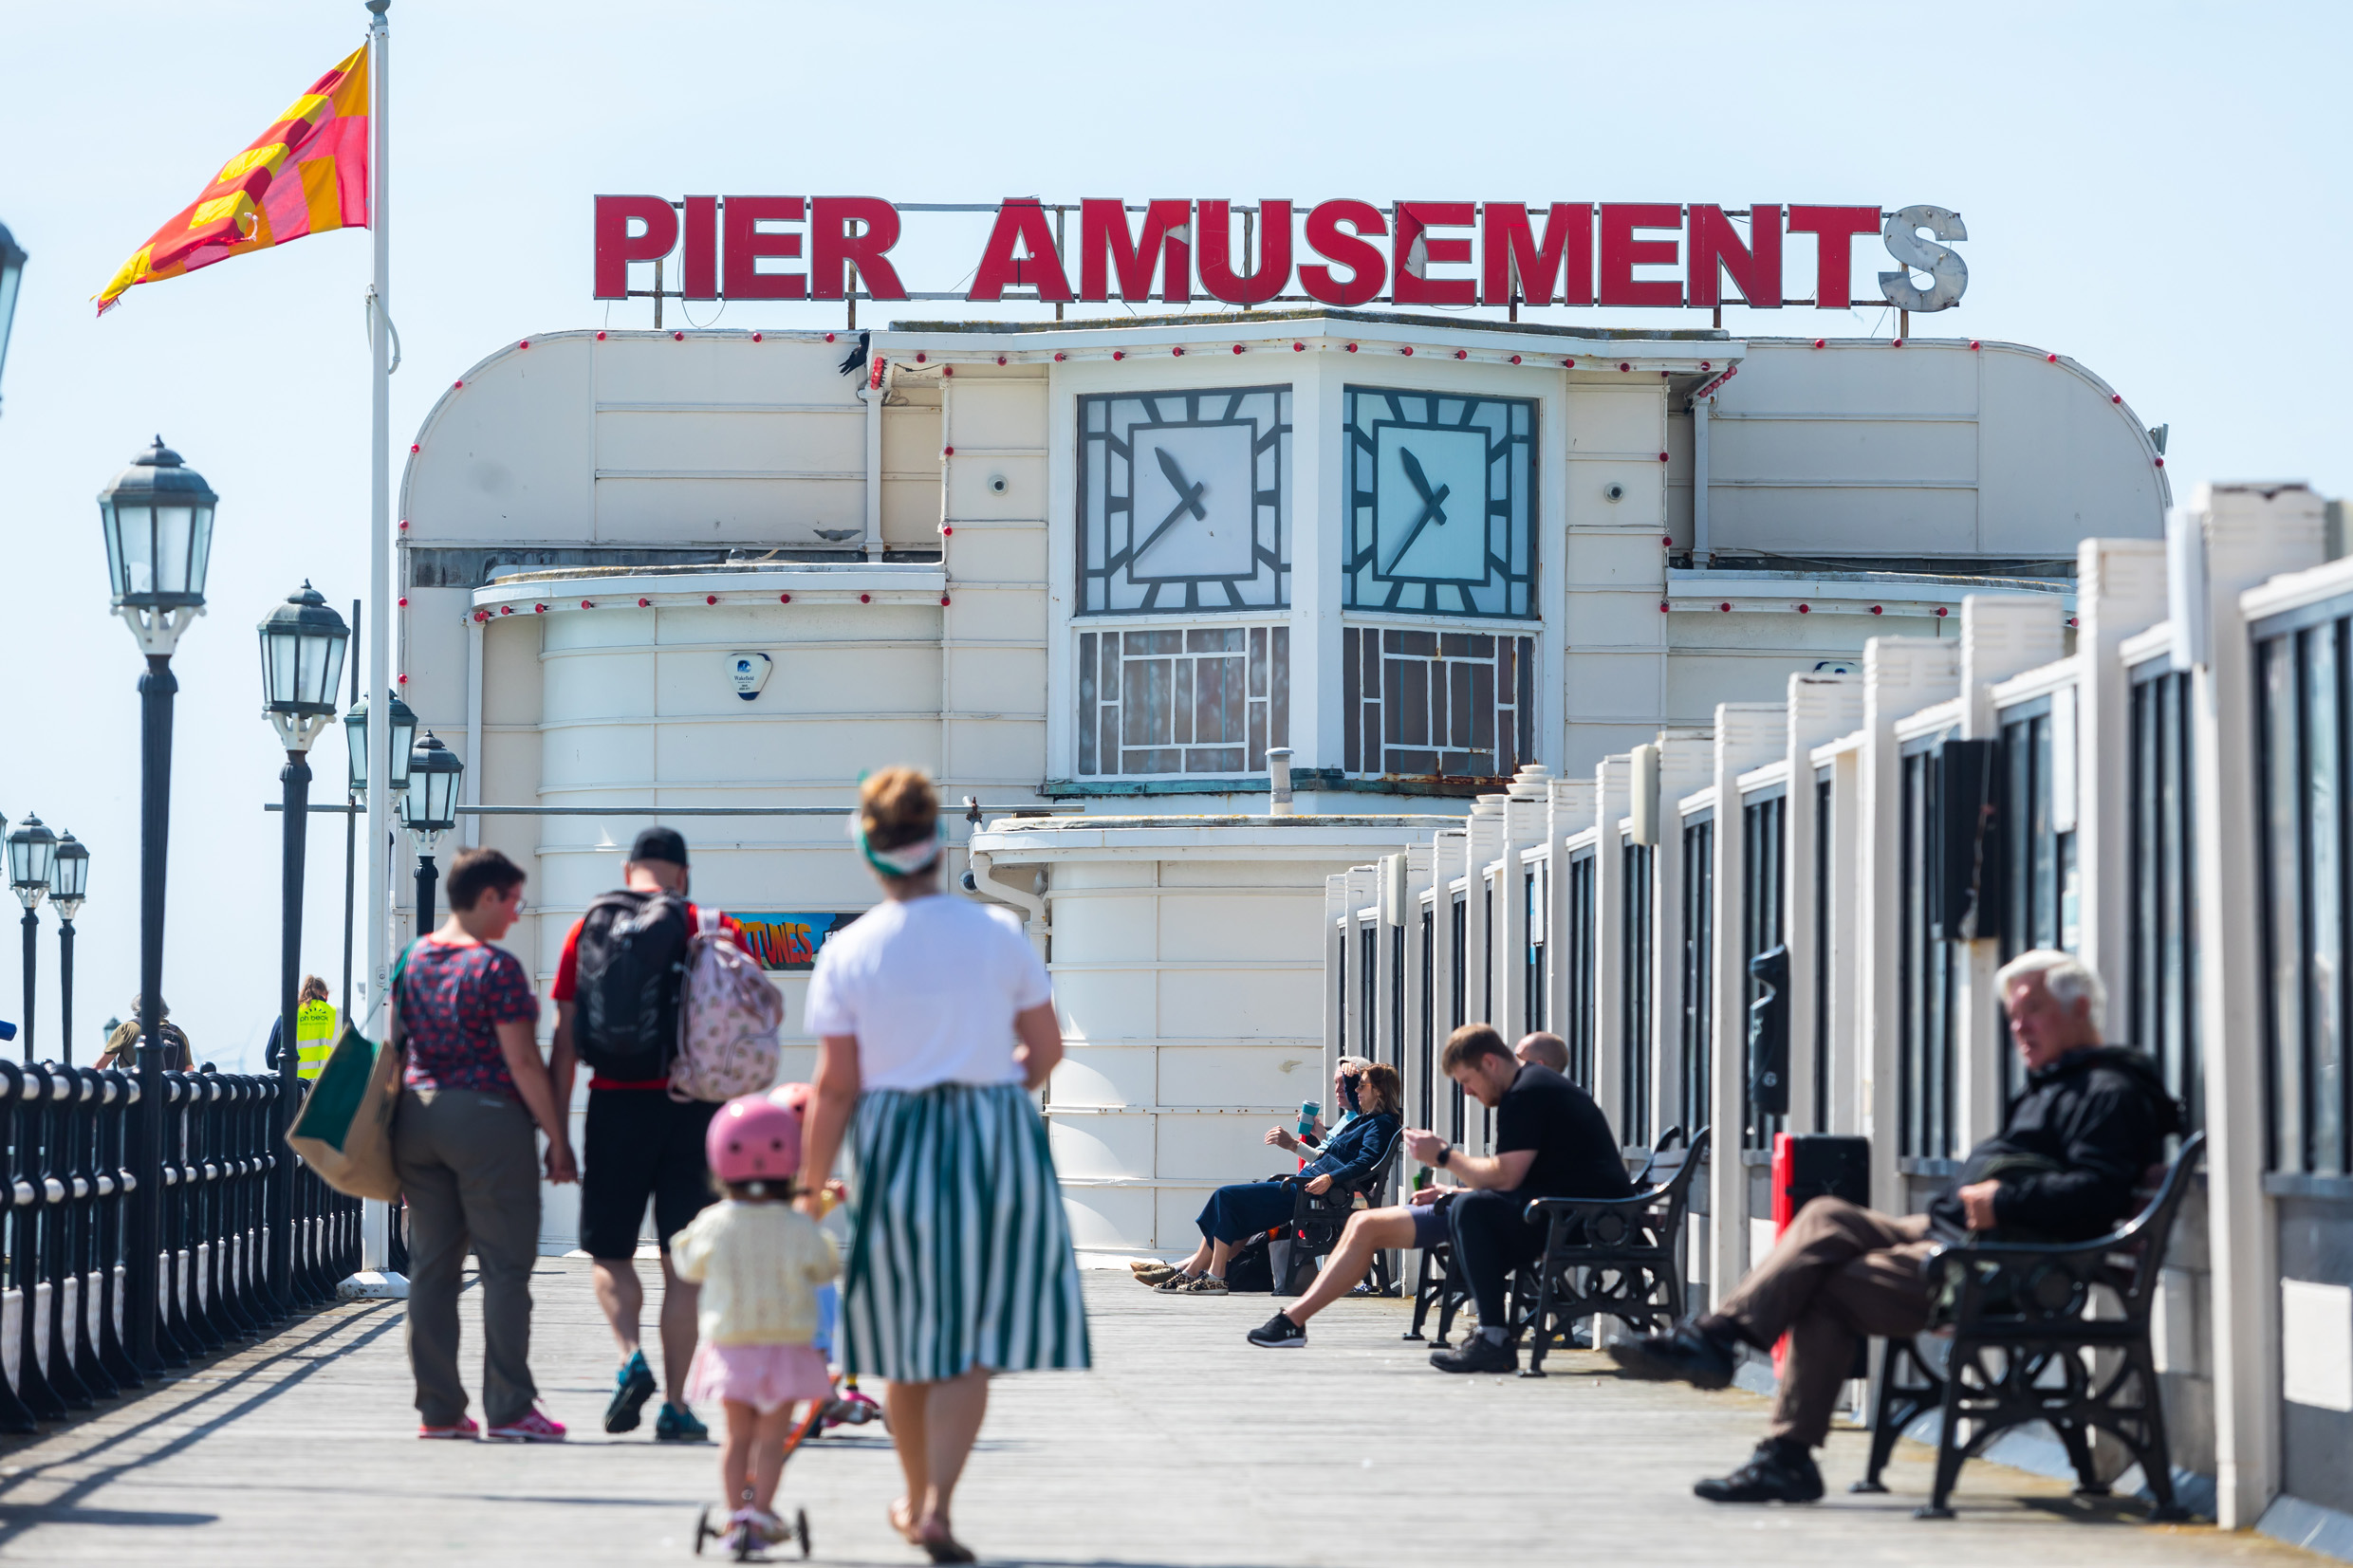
(1904, 243)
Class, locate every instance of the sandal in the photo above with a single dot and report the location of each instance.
(901, 1515)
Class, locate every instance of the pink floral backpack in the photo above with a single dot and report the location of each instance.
(728, 1018)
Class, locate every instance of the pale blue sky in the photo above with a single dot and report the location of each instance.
(2144, 186)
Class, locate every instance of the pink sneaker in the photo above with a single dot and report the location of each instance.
(532, 1427)
(463, 1430)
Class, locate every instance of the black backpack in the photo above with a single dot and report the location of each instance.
(631, 961)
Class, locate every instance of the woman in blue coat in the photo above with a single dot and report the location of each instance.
(1236, 1213)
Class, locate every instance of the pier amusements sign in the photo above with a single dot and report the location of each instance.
(1345, 252)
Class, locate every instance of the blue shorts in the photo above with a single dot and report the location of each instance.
(1429, 1226)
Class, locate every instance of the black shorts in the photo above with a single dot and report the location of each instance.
(642, 1146)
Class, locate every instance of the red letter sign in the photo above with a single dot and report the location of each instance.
(1415, 255)
(617, 248)
(1622, 252)
(1275, 253)
(831, 244)
(745, 244)
(1755, 267)
(698, 278)
(1509, 250)
(1020, 220)
(1837, 227)
(1167, 239)
(1365, 261)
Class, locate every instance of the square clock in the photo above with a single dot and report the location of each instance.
(1184, 500)
(1442, 503)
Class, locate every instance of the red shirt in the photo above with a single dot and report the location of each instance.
(568, 984)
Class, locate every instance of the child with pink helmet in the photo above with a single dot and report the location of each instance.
(759, 1263)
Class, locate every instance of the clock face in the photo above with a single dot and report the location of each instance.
(1184, 500)
(1442, 503)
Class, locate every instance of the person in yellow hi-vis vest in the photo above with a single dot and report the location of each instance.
(315, 1027)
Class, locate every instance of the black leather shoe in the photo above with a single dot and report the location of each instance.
(1777, 1472)
(1477, 1353)
(1683, 1355)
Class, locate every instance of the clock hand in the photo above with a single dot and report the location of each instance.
(1413, 533)
(1421, 483)
(1189, 499)
(1188, 495)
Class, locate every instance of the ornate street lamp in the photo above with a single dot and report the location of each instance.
(302, 645)
(69, 882)
(429, 809)
(403, 741)
(157, 516)
(33, 851)
(11, 274)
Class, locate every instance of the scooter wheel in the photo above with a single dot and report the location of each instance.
(800, 1529)
(702, 1529)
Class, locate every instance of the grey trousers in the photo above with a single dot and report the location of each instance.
(1839, 1272)
(469, 1164)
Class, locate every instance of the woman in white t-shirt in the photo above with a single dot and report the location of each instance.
(937, 1020)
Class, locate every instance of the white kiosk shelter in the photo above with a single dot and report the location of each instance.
(1091, 573)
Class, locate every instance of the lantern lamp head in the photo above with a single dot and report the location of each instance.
(157, 516)
(303, 646)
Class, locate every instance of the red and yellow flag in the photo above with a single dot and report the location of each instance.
(305, 175)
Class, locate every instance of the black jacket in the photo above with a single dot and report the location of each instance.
(2075, 1144)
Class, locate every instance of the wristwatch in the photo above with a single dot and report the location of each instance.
(1445, 1151)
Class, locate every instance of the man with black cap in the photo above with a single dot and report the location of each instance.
(617, 995)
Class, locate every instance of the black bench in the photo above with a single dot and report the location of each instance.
(1619, 1279)
(1621, 1256)
(1317, 1219)
(2023, 1344)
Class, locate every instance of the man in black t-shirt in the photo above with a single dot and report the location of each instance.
(1551, 1141)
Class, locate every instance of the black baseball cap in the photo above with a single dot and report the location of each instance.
(659, 843)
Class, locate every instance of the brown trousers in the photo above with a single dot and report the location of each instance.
(1839, 1273)
(469, 1165)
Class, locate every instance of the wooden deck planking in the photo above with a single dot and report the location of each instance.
(1185, 1446)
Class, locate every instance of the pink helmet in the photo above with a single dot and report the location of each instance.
(794, 1097)
(754, 1139)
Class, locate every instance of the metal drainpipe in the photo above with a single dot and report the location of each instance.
(1032, 905)
(1701, 542)
(873, 397)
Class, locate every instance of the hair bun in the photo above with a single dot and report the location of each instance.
(898, 806)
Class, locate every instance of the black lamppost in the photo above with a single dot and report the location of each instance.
(69, 882)
(157, 515)
(32, 849)
(302, 644)
(429, 809)
(397, 746)
(12, 273)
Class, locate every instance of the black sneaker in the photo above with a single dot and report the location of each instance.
(1779, 1471)
(1278, 1332)
(1685, 1354)
(1477, 1353)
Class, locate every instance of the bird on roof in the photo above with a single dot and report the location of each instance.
(855, 360)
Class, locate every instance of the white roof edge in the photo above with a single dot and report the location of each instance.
(904, 583)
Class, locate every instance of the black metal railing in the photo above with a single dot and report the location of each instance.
(69, 1198)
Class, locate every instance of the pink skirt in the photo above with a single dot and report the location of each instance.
(764, 1376)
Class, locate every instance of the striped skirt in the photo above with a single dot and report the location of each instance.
(959, 1252)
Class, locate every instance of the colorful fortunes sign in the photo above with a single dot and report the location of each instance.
(1437, 253)
(788, 941)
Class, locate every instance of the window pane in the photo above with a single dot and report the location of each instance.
(2283, 830)
(2325, 885)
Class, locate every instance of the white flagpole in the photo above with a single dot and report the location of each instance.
(376, 1278)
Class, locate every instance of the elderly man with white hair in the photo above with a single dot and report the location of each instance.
(2090, 1121)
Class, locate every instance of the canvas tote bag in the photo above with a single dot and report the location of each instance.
(345, 1129)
